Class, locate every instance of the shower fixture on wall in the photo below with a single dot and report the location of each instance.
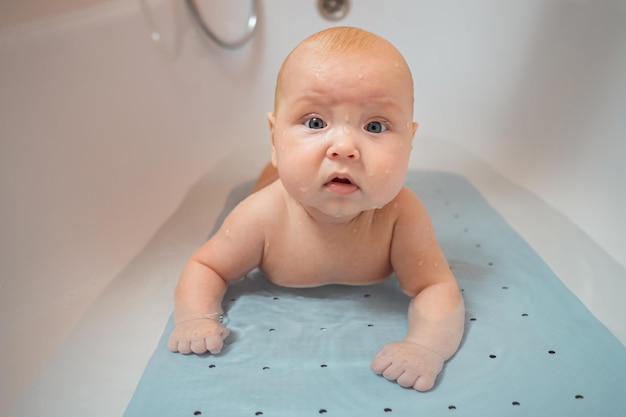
(333, 9)
(251, 26)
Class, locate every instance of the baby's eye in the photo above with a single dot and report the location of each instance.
(315, 123)
(375, 127)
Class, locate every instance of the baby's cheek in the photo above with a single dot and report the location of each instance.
(390, 183)
(296, 180)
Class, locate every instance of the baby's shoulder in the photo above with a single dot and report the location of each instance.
(409, 209)
(407, 201)
(263, 205)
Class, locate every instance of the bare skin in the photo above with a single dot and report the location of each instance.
(332, 209)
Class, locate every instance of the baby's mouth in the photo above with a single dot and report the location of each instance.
(341, 185)
(341, 180)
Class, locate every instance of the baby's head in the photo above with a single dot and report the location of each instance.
(342, 126)
(346, 42)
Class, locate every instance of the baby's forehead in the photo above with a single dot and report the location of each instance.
(312, 56)
(343, 47)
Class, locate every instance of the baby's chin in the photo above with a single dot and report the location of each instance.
(340, 212)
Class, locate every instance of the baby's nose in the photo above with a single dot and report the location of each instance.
(343, 148)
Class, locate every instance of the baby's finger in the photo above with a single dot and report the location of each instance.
(408, 379)
(184, 347)
(380, 363)
(172, 344)
(198, 346)
(214, 344)
(393, 372)
(424, 382)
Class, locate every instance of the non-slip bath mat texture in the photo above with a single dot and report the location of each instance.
(530, 347)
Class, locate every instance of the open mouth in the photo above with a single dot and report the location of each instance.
(341, 180)
(342, 185)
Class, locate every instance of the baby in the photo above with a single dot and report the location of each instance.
(341, 134)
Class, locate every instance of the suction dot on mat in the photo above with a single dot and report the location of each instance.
(276, 298)
(579, 397)
(366, 295)
(492, 356)
(388, 410)
(525, 315)
(211, 366)
(258, 413)
(272, 330)
(466, 230)
(370, 325)
(515, 403)
(505, 288)
(265, 368)
(323, 411)
(490, 264)
(197, 413)
(473, 319)
(478, 245)
(323, 365)
(451, 407)
(323, 329)
(551, 352)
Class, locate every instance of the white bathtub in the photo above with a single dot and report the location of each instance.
(122, 130)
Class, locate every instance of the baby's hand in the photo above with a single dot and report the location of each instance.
(409, 364)
(198, 336)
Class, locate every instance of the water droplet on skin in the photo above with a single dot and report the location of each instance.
(436, 264)
(227, 232)
(304, 189)
(420, 262)
(360, 76)
(355, 230)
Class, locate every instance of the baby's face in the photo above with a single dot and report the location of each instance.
(342, 131)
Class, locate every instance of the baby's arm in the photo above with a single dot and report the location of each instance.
(436, 312)
(234, 250)
(198, 307)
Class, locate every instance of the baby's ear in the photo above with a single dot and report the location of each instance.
(272, 122)
(415, 126)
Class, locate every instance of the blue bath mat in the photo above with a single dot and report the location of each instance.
(530, 348)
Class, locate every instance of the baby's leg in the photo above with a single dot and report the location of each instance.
(268, 176)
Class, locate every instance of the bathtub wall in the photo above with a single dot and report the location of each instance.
(110, 110)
